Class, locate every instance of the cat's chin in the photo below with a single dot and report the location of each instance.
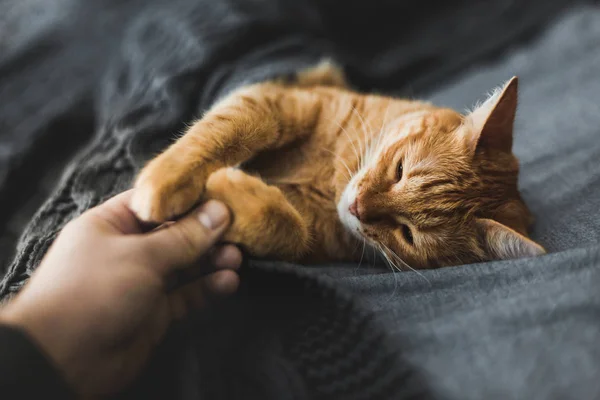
(351, 224)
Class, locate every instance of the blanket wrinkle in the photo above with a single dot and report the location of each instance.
(507, 330)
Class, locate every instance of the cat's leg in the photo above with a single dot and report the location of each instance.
(252, 119)
(264, 222)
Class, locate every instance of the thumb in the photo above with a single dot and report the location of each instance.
(182, 243)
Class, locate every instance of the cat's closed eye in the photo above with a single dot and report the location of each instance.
(407, 234)
(399, 171)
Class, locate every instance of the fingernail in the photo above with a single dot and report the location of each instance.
(213, 214)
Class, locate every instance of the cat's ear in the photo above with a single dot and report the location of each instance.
(501, 243)
(490, 125)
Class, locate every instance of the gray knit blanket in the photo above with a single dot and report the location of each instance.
(94, 89)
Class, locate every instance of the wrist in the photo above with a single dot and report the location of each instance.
(28, 372)
(36, 329)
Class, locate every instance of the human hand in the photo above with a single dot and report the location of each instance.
(99, 301)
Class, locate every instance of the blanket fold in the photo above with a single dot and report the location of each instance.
(136, 72)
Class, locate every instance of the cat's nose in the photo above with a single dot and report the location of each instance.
(354, 209)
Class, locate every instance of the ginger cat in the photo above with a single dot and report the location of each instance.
(312, 171)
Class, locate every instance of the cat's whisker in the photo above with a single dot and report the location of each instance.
(383, 125)
(389, 262)
(391, 265)
(356, 247)
(360, 159)
(356, 153)
(389, 254)
(397, 257)
(362, 121)
(375, 148)
(369, 150)
(379, 144)
(392, 269)
(371, 135)
(373, 256)
(340, 159)
(366, 133)
(362, 255)
(378, 140)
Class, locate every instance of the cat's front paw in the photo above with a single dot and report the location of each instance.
(165, 190)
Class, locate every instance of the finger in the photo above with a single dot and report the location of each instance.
(180, 244)
(200, 293)
(114, 215)
(217, 258)
(226, 257)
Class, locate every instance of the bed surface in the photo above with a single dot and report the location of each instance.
(502, 330)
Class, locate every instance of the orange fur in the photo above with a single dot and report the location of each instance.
(328, 158)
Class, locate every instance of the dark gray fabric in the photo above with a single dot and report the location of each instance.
(507, 330)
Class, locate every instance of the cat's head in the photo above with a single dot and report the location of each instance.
(440, 188)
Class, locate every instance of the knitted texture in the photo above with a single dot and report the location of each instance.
(288, 334)
(295, 335)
